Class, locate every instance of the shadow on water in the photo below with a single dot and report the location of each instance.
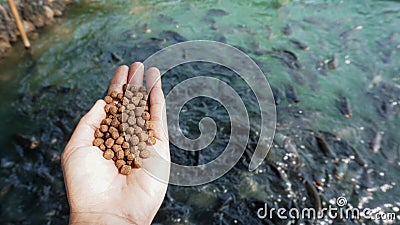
(324, 61)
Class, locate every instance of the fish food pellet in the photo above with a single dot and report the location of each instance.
(126, 131)
(125, 170)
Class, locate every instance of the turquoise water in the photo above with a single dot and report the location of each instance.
(78, 53)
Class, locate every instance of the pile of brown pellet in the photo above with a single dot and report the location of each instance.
(125, 132)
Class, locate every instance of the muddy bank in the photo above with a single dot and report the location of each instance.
(35, 14)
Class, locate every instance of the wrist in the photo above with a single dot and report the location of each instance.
(97, 218)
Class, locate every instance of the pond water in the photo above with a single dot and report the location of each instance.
(341, 58)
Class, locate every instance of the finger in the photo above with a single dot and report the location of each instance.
(135, 74)
(119, 78)
(158, 115)
(84, 132)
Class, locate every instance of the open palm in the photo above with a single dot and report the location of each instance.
(97, 193)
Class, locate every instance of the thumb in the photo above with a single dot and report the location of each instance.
(84, 132)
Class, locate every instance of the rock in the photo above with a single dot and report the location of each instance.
(49, 14)
(28, 26)
(4, 45)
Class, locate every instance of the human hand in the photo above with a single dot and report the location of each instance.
(97, 192)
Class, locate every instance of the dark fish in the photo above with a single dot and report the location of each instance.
(365, 180)
(172, 36)
(217, 12)
(27, 141)
(332, 63)
(376, 143)
(386, 109)
(287, 30)
(291, 93)
(299, 44)
(387, 46)
(343, 105)
(221, 38)
(348, 33)
(287, 57)
(358, 158)
(116, 57)
(313, 193)
(312, 80)
(323, 145)
(277, 95)
(297, 77)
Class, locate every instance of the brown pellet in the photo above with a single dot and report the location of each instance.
(133, 88)
(112, 130)
(125, 117)
(135, 101)
(146, 116)
(152, 140)
(129, 162)
(130, 156)
(108, 154)
(113, 94)
(135, 149)
(120, 140)
(130, 107)
(130, 130)
(139, 95)
(119, 118)
(116, 148)
(106, 121)
(115, 122)
(138, 162)
(149, 125)
(121, 109)
(115, 135)
(127, 152)
(145, 154)
(140, 121)
(142, 146)
(107, 135)
(109, 143)
(139, 111)
(150, 133)
(102, 147)
(113, 110)
(103, 128)
(98, 141)
(108, 99)
(125, 145)
(143, 136)
(120, 96)
(142, 103)
(120, 154)
(107, 108)
(132, 121)
(128, 94)
(125, 101)
(138, 130)
(123, 127)
(125, 170)
(134, 140)
(127, 137)
(119, 163)
(98, 133)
